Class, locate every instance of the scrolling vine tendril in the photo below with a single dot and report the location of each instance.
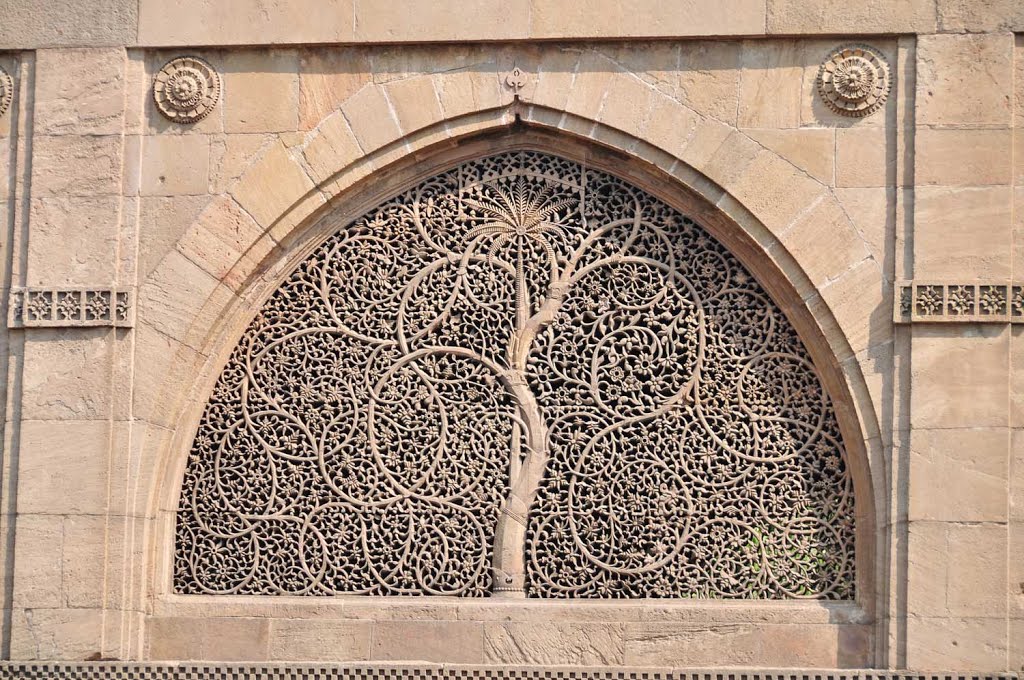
(519, 376)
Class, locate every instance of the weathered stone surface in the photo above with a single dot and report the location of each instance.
(670, 126)
(236, 639)
(174, 294)
(165, 366)
(80, 91)
(272, 185)
(769, 186)
(244, 22)
(964, 79)
(770, 84)
(320, 640)
(73, 241)
(62, 469)
(826, 221)
(82, 559)
(707, 138)
(261, 91)
(414, 101)
(1015, 578)
(474, 87)
(70, 165)
(1017, 226)
(654, 62)
(58, 633)
(956, 643)
(449, 641)
(371, 118)
(873, 214)
(708, 77)
(977, 578)
(412, 21)
(709, 645)
(959, 377)
(5, 188)
(858, 300)
(865, 158)
(967, 15)
(590, 85)
(559, 18)
(1016, 474)
(226, 243)
(927, 575)
(626, 105)
(958, 475)
(555, 644)
(332, 148)
(1017, 383)
(175, 638)
(787, 17)
(174, 165)
(326, 79)
(67, 375)
(556, 71)
(214, 639)
(37, 567)
(163, 220)
(230, 155)
(809, 149)
(962, 230)
(90, 22)
(963, 157)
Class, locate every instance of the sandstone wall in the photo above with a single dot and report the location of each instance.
(341, 102)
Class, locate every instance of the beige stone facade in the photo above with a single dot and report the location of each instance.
(137, 249)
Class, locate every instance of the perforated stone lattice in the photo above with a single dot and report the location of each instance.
(521, 374)
(155, 671)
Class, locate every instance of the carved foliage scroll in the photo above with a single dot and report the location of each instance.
(520, 375)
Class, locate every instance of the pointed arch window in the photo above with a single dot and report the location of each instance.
(519, 375)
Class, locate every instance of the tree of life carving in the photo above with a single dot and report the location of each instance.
(520, 377)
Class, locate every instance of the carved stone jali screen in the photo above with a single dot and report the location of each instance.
(520, 376)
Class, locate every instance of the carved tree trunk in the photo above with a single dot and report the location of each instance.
(527, 472)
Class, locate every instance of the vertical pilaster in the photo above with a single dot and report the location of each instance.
(957, 535)
(15, 149)
(71, 413)
(1015, 508)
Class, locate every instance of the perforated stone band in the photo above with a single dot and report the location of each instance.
(199, 671)
(41, 307)
(970, 302)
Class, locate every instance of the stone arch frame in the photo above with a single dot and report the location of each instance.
(276, 205)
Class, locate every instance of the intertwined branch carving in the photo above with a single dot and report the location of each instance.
(521, 375)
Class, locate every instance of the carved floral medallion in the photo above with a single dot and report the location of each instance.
(520, 376)
(6, 91)
(854, 80)
(186, 89)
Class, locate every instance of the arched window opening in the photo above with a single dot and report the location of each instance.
(520, 376)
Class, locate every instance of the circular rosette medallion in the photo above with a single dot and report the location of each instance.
(6, 91)
(186, 89)
(854, 80)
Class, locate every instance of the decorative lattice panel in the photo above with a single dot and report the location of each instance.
(521, 374)
(199, 671)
